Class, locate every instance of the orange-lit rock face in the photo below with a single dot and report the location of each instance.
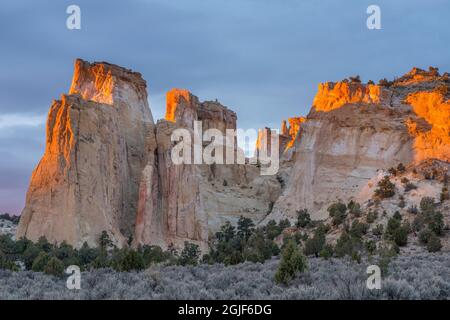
(332, 96)
(106, 83)
(294, 125)
(286, 138)
(288, 134)
(98, 139)
(284, 129)
(92, 82)
(171, 208)
(431, 131)
(354, 129)
(263, 141)
(182, 107)
(294, 128)
(177, 103)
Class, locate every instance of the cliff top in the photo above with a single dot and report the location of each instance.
(105, 83)
(414, 76)
(182, 101)
(104, 68)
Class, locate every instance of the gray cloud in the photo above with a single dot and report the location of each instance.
(264, 59)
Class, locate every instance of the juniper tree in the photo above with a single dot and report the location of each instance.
(292, 262)
(434, 243)
(303, 218)
(190, 254)
(54, 267)
(338, 212)
(245, 227)
(314, 245)
(386, 189)
(104, 240)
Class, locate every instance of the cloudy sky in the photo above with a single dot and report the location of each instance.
(262, 58)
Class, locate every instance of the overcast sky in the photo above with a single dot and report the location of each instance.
(262, 58)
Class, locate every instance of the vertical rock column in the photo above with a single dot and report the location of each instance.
(99, 137)
(170, 211)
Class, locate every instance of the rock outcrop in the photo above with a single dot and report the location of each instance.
(108, 167)
(355, 129)
(98, 139)
(170, 210)
(187, 202)
(287, 137)
(263, 142)
(293, 130)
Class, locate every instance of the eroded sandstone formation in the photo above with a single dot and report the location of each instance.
(289, 134)
(187, 202)
(287, 137)
(98, 139)
(355, 129)
(170, 210)
(108, 167)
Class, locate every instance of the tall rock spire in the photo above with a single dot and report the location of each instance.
(98, 139)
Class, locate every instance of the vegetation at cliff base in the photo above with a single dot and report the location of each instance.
(245, 243)
(8, 217)
(340, 279)
(356, 233)
(231, 245)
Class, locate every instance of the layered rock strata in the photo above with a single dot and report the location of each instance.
(355, 129)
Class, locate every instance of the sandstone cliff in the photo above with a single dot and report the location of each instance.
(107, 166)
(170, 210)
(188, 202)
(355, 129)
(98, 139)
